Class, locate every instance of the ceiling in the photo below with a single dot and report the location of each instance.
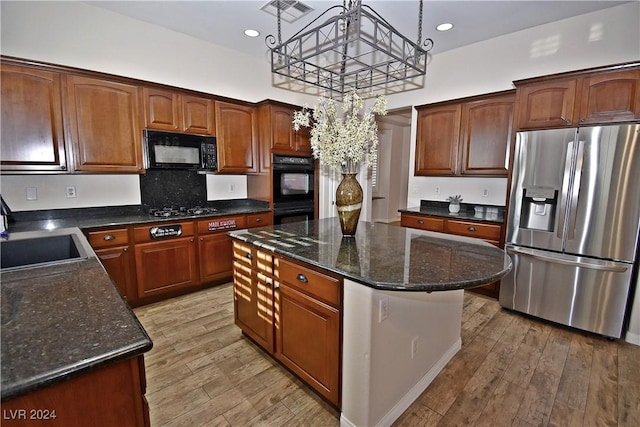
(223, 22)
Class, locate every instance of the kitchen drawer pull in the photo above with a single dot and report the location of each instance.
(420, 221)
(108, 237)
(249, 255)
(471, 228)
(258, 219)
(301, 277)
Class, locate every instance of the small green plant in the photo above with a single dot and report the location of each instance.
(454, 199)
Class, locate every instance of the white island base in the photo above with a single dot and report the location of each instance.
(388, 362)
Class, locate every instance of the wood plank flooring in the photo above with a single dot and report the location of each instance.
(511, 371)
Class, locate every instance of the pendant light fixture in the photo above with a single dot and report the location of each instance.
(353, 50)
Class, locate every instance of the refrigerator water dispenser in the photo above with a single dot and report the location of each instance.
(538, 208)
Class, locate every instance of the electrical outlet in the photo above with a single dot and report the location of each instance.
(32, 193)
(232, 188)
(485, 192)
(437, 189)
(71, 192)
(414, 347)
(383, 309)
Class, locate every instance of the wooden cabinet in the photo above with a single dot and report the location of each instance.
(489, 232)
(467, 137)
(165, 264)
(215, 247)
(104, 125)
(259, 219)
(178, 112)
(284, 139)
(113, 395)
(236, 130)
(32, 123)
(293, 312)
(308, 326)
(573, 99)
(253, 293)
(113, 249)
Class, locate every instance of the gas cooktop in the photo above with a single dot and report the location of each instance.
(181, 211)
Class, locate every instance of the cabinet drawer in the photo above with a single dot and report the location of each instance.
(321, 286)
(259, 219)
(108, 238)
(143, 234)
(222, 223)
(474, 229)
(422, 222)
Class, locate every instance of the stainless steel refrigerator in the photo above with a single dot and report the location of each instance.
(573, 222)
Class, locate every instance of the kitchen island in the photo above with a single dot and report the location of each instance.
(379, 294)
(71, 347)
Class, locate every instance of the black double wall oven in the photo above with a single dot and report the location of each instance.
(293, 189)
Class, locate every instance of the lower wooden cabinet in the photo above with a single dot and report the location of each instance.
(110, 396)
(253, 293)
(114, 251)
(489, 232)
(292, 312)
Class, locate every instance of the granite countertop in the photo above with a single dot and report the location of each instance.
(386, 257)
(114, 216)
(62, 320)
(474, 212)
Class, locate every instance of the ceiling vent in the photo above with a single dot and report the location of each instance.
(290, 10)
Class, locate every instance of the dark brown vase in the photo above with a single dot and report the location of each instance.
(349, 203)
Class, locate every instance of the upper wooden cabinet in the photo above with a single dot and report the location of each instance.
(179, 112)
(467, 137)
(104, 125)
(32, 123)
(284, 139)
(573, 99)
(236, 130)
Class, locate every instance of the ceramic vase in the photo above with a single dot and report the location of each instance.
(349, 203)
(454, 207)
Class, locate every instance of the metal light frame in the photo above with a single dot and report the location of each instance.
(353, 50)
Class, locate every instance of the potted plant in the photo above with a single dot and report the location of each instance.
(454, 203)
(343, 142)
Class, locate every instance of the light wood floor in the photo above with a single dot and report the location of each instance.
(511, 371)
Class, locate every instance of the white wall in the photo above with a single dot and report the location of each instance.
(80, 35)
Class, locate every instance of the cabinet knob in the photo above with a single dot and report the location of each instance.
(191, 239)
(125, 249)
(564, 119)
(108, 237)
(249, 255)
(64, 168)
(420, 221)
(202, 239)
(471, 228)
(301, 277)
(258, 219)
(276, 286)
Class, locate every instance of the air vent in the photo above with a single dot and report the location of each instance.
(290, 10)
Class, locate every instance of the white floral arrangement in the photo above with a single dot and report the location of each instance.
(342, 143)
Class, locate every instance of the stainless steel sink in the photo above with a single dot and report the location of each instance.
(38, 251)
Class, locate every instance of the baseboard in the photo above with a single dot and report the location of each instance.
(632, 338)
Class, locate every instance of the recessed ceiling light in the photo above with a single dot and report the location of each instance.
(444, 27)
(251, 33)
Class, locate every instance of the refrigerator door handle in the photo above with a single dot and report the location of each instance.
(603, 266)
(577, 180)
(564, 197)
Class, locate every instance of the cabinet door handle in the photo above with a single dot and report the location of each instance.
(202, 239)
(249, 256)
(191, 239)
(564, 119)
(258, 219)
(125, 249)
(108, 237)
(471, 228)
(420, 221)
(301, 277)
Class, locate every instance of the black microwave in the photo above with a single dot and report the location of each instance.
(171, 150)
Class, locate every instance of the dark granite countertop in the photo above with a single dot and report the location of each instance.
(473, 212)
(386, 257)
(113, 216)
(62, 320)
